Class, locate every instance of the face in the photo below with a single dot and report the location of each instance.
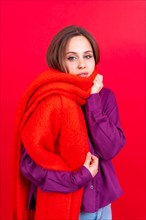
(79, 59)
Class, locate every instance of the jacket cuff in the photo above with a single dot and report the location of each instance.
(86, 175)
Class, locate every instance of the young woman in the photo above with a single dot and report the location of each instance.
(65, 113)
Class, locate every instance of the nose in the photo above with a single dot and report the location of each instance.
(81, 64)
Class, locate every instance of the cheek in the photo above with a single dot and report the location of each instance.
(67, 67)
(71, 66)
(92, 64)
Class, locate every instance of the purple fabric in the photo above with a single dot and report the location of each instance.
(52, 181)
(106, 140)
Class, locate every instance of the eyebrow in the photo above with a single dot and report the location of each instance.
(88, 51)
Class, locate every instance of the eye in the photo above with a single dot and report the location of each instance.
(88, 56)
(71, 58)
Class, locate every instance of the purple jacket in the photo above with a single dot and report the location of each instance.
(106, 139)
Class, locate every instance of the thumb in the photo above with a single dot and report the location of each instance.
(88, 159)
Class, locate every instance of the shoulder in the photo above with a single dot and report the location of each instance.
(108, 99)
(107, 94)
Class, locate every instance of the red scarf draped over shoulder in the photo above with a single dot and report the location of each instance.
(51, 126)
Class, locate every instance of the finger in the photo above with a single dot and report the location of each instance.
(99, 77)
(88, 154)
(88, 158)
(95, 159)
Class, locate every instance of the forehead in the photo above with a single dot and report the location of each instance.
(78, 44)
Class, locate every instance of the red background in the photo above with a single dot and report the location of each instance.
(119, 27)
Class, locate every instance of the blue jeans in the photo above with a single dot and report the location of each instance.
(104, 213)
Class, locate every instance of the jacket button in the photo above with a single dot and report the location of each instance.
(91, 187)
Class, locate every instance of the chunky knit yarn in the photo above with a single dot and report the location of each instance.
(51, 125)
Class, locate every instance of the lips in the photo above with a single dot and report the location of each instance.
(85, 74)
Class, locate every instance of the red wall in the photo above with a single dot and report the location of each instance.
(26, 30)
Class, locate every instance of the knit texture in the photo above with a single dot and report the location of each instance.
(51, 125)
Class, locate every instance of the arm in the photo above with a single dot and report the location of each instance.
(55, 181)
(103, 120)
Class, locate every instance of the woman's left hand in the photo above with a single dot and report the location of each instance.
(97, 84)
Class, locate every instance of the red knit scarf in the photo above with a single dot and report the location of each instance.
(51, 125)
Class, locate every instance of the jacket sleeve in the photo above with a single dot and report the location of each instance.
(53, 181)
(103, 121)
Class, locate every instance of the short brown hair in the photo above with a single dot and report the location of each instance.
(56, 49)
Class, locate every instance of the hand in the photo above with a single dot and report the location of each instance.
(97, 84)
(91, 163)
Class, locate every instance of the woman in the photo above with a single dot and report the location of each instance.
(56, 168)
